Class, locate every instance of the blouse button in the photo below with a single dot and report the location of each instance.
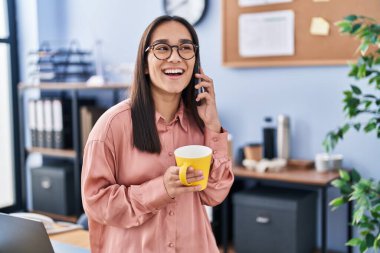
(170, 153)
(171, 245)
(171, 213)
(215, 139)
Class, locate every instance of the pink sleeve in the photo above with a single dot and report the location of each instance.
(221, 176)
(107, 202)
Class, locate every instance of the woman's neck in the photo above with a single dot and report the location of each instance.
(167, 106)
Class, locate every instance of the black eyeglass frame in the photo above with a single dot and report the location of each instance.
(151, 47)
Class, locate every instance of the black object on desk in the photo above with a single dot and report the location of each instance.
(269, 137)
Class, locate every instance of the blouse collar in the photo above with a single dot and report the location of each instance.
(180, 115)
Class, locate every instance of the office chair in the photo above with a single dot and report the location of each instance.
(83, 221)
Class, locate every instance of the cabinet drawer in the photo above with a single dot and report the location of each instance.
(269, 220)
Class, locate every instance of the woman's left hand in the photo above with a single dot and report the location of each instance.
(207, 110)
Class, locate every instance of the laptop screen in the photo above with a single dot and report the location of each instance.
(23, 235)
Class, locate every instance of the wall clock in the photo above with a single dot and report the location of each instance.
(191, 10)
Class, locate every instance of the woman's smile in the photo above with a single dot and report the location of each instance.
(173, 73)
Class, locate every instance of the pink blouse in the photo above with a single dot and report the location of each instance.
(123, 192)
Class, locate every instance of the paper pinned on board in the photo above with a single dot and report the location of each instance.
(266, 34)
(319, 26)
(246, 3)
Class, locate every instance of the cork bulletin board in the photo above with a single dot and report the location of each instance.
(333, 49)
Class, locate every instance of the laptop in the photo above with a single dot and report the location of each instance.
(29, 236)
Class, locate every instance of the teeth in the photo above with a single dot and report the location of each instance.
(173, 71)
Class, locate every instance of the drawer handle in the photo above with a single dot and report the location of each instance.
(262, 220)
(46, 183)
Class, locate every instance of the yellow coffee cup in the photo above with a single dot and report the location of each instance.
(196, 156)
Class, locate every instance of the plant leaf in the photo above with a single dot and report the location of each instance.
(362, 69)
(355, 28)
(330, 141)
(367, 104)
(376, 208)
(363, 49)
(338, 183)
(376, 243)
(344, 175)
(344, 26)
(370, 126)
(351, 17)
(356, 89)
(370, 96)
(358, 214)
(363, 233)
(345, 128)
(363, 246)
(354, 242)
(373, 41)
(354, 71)
(355, 176)
(369, 239)
(337, 202)
(347, 93)
(368, 225)
(357, 126)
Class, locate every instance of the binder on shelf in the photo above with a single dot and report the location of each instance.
(48, 126)
(40, 123)
(57, 125)
(32, 122)
(88, 117)
(62, 124)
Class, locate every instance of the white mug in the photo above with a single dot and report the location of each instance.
(325, 162)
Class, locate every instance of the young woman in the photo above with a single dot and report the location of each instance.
(130, 185)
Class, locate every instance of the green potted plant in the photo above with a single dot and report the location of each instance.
(363, 113)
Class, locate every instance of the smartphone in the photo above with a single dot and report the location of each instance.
(198, 80)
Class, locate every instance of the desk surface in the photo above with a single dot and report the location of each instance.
(306, 176)
(78, 238)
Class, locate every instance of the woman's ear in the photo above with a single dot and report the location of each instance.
(146, 70)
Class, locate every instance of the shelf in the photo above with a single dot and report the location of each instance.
(74, 90)
(67, 153)
(72, 86)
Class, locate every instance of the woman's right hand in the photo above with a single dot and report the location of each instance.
(173, 185)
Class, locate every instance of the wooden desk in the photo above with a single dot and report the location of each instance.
(78, 238)
(306, 177)
(295, 175)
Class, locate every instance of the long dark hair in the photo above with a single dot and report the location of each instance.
(145, 135)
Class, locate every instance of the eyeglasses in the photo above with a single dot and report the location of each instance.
(163, 51)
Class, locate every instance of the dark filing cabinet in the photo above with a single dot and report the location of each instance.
(53, 189)
(274, 220)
